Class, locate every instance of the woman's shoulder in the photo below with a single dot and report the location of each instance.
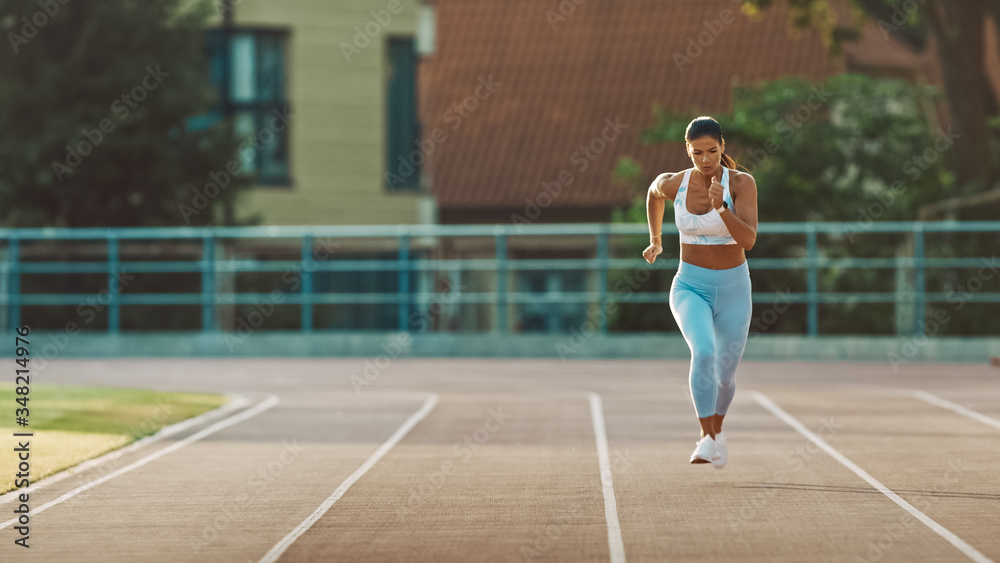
(739, 180)
(669, 182)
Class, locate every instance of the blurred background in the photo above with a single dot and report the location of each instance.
(468, 178)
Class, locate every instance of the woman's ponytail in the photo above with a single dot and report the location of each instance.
(728, 161)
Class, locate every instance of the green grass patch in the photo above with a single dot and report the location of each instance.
(74, 424)
(106, 410)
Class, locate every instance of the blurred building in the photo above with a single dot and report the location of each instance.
(346, 71)
(452, 111)
(328, 92)
(566, 69)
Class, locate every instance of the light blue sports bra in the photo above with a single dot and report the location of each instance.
(707, 228)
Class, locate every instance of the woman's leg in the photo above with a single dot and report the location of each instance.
(692, 310)
(732, 325)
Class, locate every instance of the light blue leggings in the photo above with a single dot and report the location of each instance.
(712, 309)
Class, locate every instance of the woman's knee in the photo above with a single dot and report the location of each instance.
(703, 368)
(703, 356)
(731, 353)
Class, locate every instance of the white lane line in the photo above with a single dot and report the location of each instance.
(288, 540)
(955, 407)
(235, 402)
(954, 540)
(222, 424)
(615, 543)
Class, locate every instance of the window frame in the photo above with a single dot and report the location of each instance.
(416, 183)
(259, 109)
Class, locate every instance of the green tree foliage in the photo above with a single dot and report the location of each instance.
(96, 106)
(959, 33)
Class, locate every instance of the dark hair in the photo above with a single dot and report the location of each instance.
(706, 126)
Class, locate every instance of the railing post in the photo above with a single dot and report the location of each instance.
(501, 258)
(308, 263)
(114, 312)
(602, 276)
(902, 305)
(14, 283)
(404, 281)
(812, 280)
(918, 280)
(208, 283)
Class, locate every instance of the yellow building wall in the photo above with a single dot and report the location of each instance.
(337, 141)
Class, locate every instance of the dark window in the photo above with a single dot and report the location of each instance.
(404, 158)
(248, 72)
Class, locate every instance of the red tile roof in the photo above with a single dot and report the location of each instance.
(561, 80)
(874, 49)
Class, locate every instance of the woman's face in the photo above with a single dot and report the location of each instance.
(706, 154)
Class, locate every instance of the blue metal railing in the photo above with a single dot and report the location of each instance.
(406, 264)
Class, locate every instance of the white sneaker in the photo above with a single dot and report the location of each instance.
(706, 451)
(720, 441)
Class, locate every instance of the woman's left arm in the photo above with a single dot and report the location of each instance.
(741, 218)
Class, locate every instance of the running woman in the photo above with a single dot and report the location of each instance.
(715, 208)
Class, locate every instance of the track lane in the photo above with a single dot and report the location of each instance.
(484, 477)
(939, 461)
(227, 497)
(777, 500)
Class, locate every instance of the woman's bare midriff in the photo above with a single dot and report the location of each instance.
(713, 256)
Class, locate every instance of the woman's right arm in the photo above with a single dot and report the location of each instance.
(655, 204)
